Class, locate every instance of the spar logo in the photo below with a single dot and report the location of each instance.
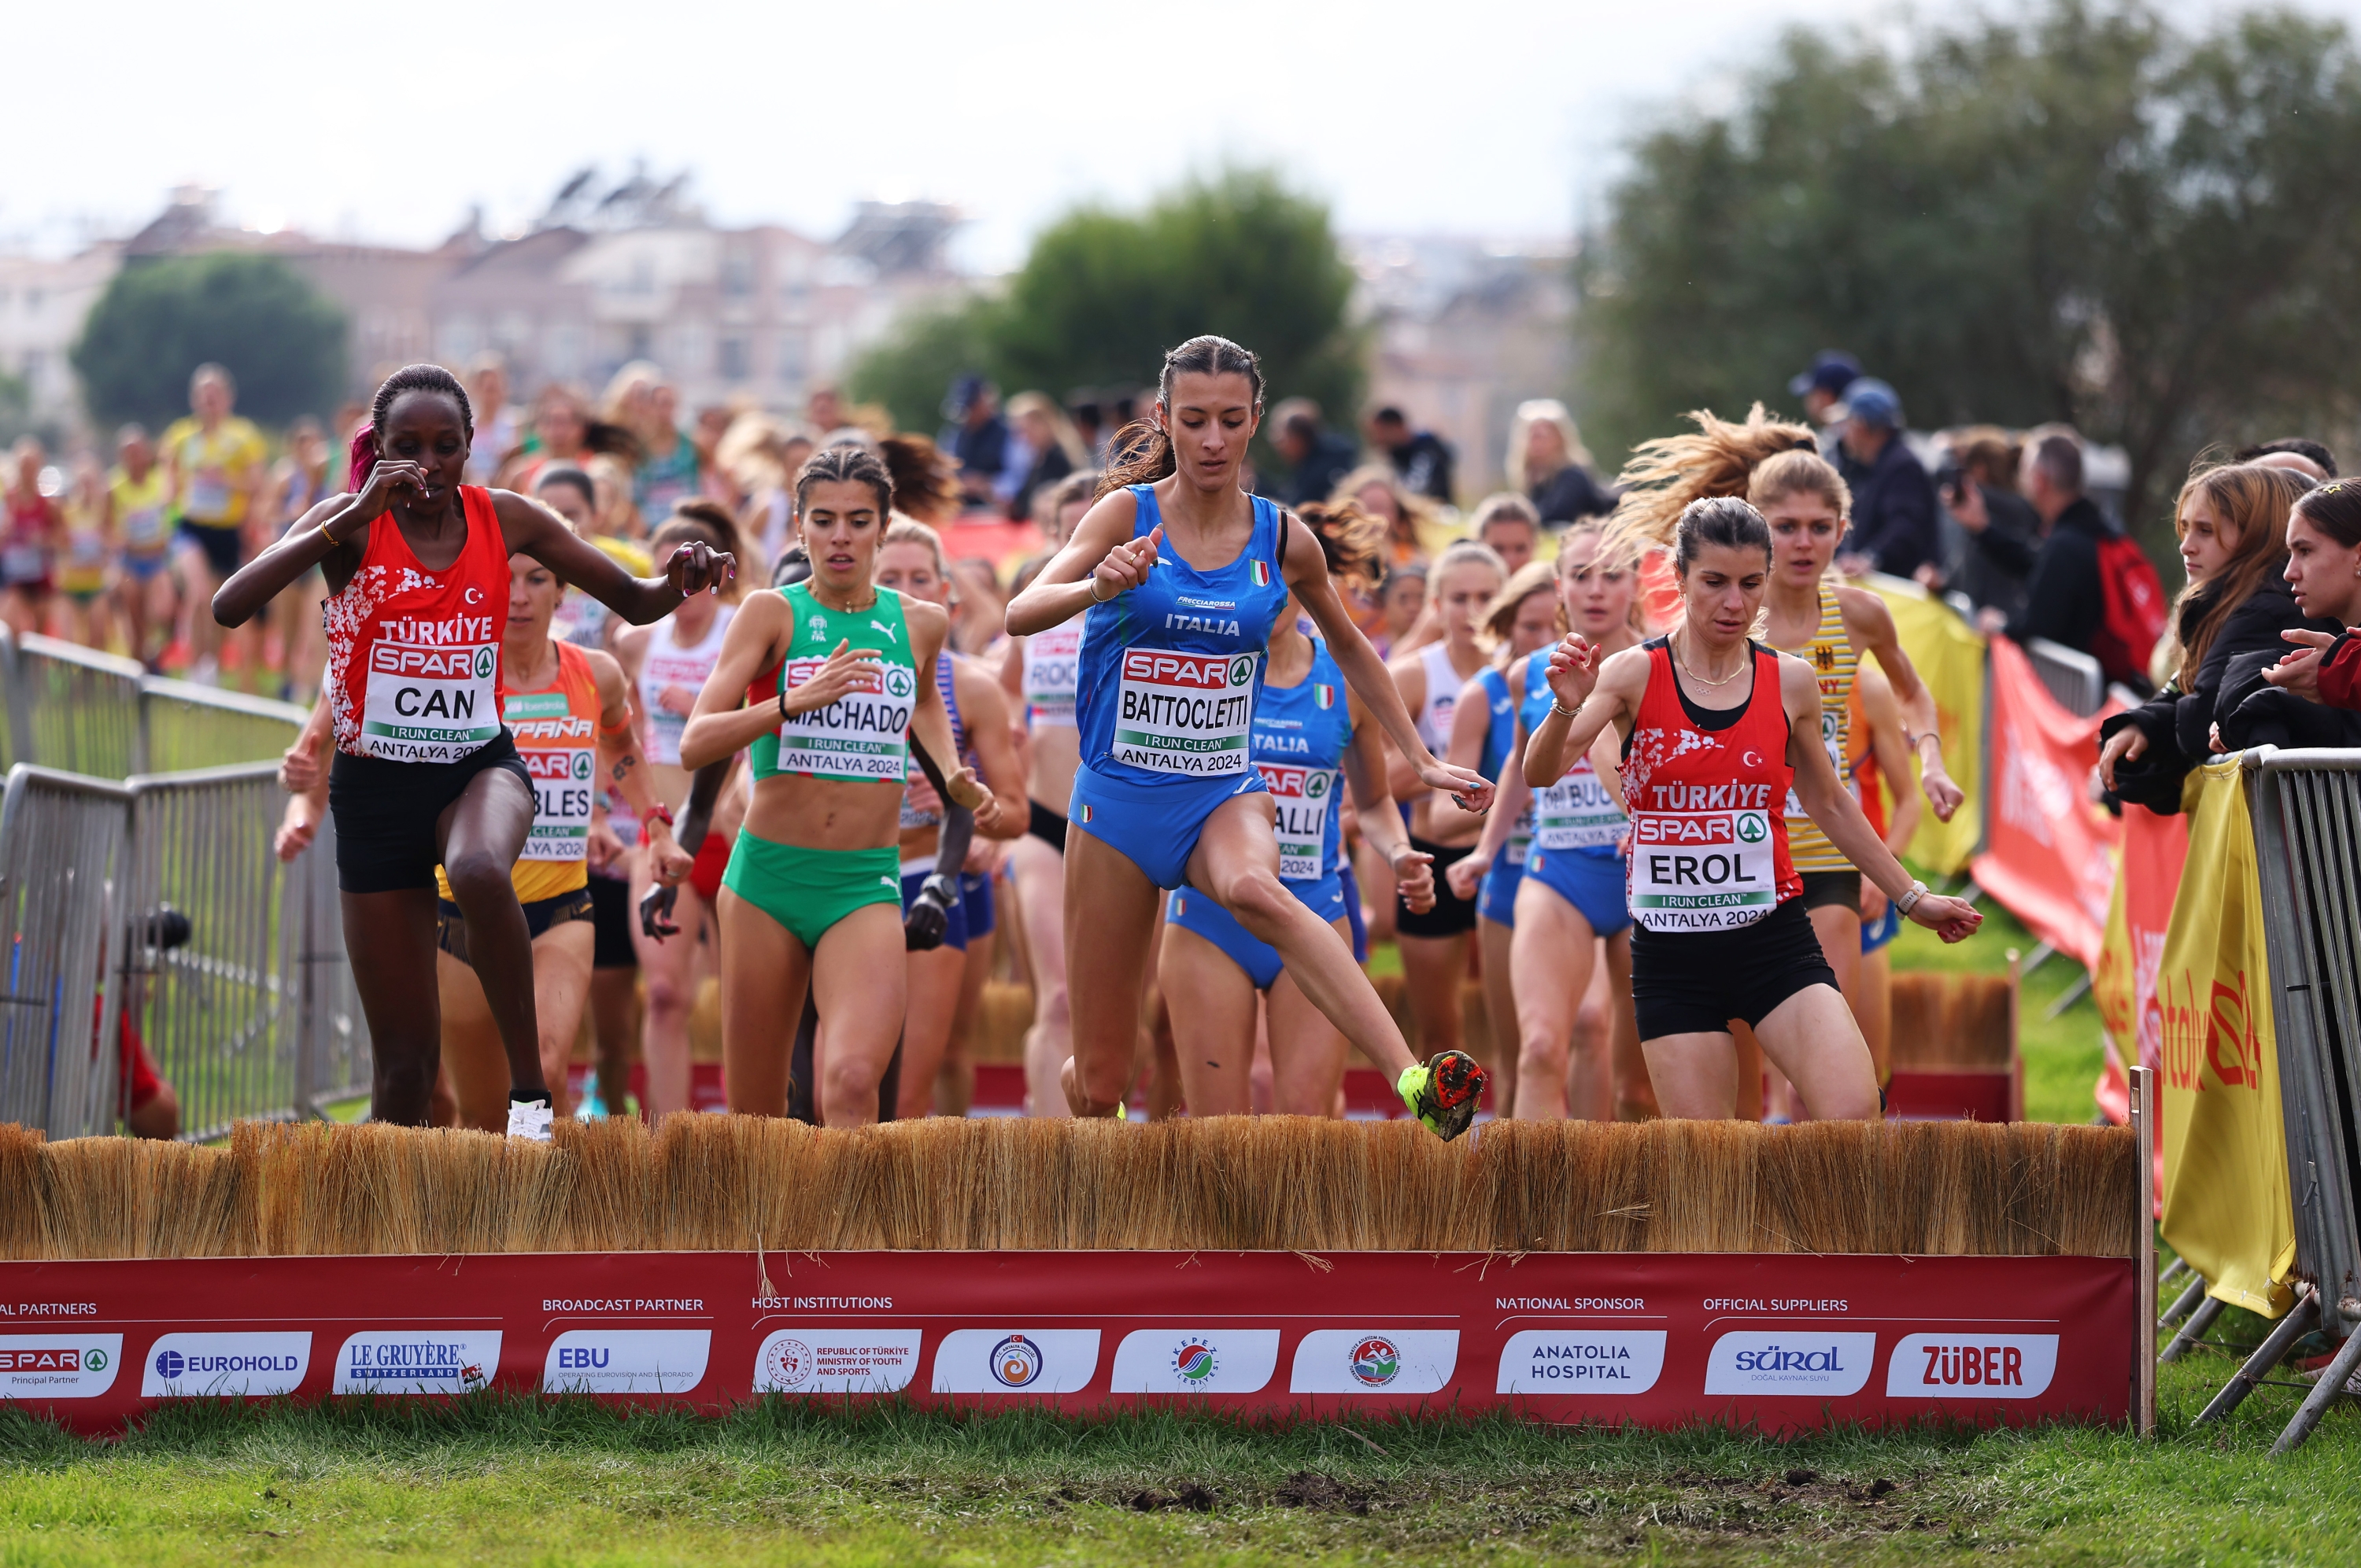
(58, 1366)
(787, 1363)
(1971, 1366)
(1194, 1362)
(1293, 782)
(1751, 829)
(1196, 672)
(1016, 1361)
(1376, 1362)
(900, 681)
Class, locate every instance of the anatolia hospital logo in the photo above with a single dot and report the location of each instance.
(1376, 1362)
(1016, 1361)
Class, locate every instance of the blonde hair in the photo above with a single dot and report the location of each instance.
(1414, 508)
(1465, 553)
(1500, 618)
(1542, 410)
(1785, 474)
(906, 529)
(1062, 429)
(1667, 475)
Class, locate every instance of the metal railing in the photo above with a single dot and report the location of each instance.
(91, 713)
(2073, 678)
(62, 845)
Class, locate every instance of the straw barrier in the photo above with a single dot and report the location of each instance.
(1658, 1272)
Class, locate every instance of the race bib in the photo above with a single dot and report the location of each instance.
(1052, 671)
(87, 551)
(1702, 871)
(582, 620)
(429, 704)
(1520, 837)
(24, 562)
(143, 530)
(1185, 713)
(913, 819)
(208, 495)
(1576, 813)
(561, 751)
(1304, 797)
(1832, 742)
(862, 735)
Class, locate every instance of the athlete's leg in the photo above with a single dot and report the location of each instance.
(1213, 1005)
(1307, 1053)
(391, 939)
(764, 972)
(475, 1069)
(1433, 968)
(1838, 929)
(1552, 956)
(1696, 1075)
(1594, 1024)
(1237, 861)
(1812, 1038)
(1635, 1096)
(1494, 943)
(933, 988)
(860, 983)
(959, 1051)
(1160, 1058)
(480, 835)
(670, 968)
(561, 981)
(1872, 1009)
(1110, 927)
(1040, 878)
(615, 1021)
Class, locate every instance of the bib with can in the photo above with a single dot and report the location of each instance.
(864, 734)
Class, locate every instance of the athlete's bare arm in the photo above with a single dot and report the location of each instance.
(1598, 694)
(1008, 812)
(1870, 626)
(757, 636)
(530, 528)
(930, 722)
(619, 759)
(1828, 802)
(1365, 763)
(1098, 562)
(1306, 570)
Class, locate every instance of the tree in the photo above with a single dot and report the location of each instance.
(1103, 295)
(2086, 218)
(160, 318)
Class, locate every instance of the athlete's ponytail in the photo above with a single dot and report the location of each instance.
(1141, 453)
(1667, 475)
(1349, 537)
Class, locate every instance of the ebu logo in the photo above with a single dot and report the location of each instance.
(1807, 1361)
(1971, 1366)
(626, 1361)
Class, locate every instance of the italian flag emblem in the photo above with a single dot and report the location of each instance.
(1323, 695)
(1088, 813)
(1262, 570)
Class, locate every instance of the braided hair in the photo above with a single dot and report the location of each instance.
(368, 442)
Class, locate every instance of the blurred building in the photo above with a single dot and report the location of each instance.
(43, 302)
(1462, 331)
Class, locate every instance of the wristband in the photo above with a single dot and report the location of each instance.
(660, 812)
(1094, 591)
(334, 543)
(1910, 897)
(1557, 707)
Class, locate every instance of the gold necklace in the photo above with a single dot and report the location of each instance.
(1690, 671)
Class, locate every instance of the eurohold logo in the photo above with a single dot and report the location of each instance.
(1581, 1361)
(418, 1361)
(1971, 1366)
(181, 1366)
(834, 1361)
(1375, 1360)
(1196, 1361)
(626, 1361)
(58, 1366)
(1807, 1361)
(1016, 1360)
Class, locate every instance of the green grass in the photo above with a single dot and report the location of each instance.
(505, 1479)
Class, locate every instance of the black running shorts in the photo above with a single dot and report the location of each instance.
(1695, 983)
(385, 812)
(1451, 915)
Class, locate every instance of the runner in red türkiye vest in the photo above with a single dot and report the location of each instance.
(425, 773)
(1717, 730)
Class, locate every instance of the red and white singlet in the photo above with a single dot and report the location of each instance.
(413, 655)
(1709, 829)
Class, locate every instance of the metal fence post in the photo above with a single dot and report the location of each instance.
(61, 853)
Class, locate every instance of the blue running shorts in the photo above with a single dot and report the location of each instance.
(1155, 827)
(1592, 884)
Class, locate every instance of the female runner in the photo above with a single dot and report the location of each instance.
(1039, 673)
(1433, 942)
(1310, 733)
(669, 662)
(1878, 751)
(1716, 730)
(1571, 897)
(1522, 620)
(425, 773)
(570, 710)
(1171, 663)
(820, 683)
(910, 562)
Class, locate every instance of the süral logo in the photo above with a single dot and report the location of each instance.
(418, 1361)
(1195, 1361)
(1380, 1361)
(1807, 1361)
(1016, 1361)
(231, 1365)
(626, 1361)
(58, 1366)
(1971, 1366)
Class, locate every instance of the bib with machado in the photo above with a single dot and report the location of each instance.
(863, 735)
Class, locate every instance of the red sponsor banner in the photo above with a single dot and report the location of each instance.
(2124, 985)
(2049, 853)
(1786, 1342)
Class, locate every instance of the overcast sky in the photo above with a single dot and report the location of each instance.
(1494, 117)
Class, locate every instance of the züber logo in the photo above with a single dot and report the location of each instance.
(1204, 672)
(1971, 1366)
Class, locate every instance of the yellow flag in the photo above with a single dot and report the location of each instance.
(1949, 655)
(2225, 1178)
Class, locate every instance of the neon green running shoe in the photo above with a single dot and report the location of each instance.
(1444, 1092)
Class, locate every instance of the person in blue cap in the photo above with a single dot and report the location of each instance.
(1822, 387)
(1893, 526)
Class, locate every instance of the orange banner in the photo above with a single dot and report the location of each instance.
(2123, 986)
(2049, 852)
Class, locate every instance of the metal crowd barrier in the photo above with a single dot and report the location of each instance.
(2073, 678)
(93, 712)
(2306, 806)
(62, 845)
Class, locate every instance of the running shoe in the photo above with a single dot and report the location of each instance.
(529, 1119)
(1444, 1092)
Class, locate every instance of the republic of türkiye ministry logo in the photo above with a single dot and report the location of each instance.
(1194, 1362)
(790, 1363)
(1016, 1361)
(1376, 1362)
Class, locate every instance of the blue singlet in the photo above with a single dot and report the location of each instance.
(1576, 826)
(1495, 899)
